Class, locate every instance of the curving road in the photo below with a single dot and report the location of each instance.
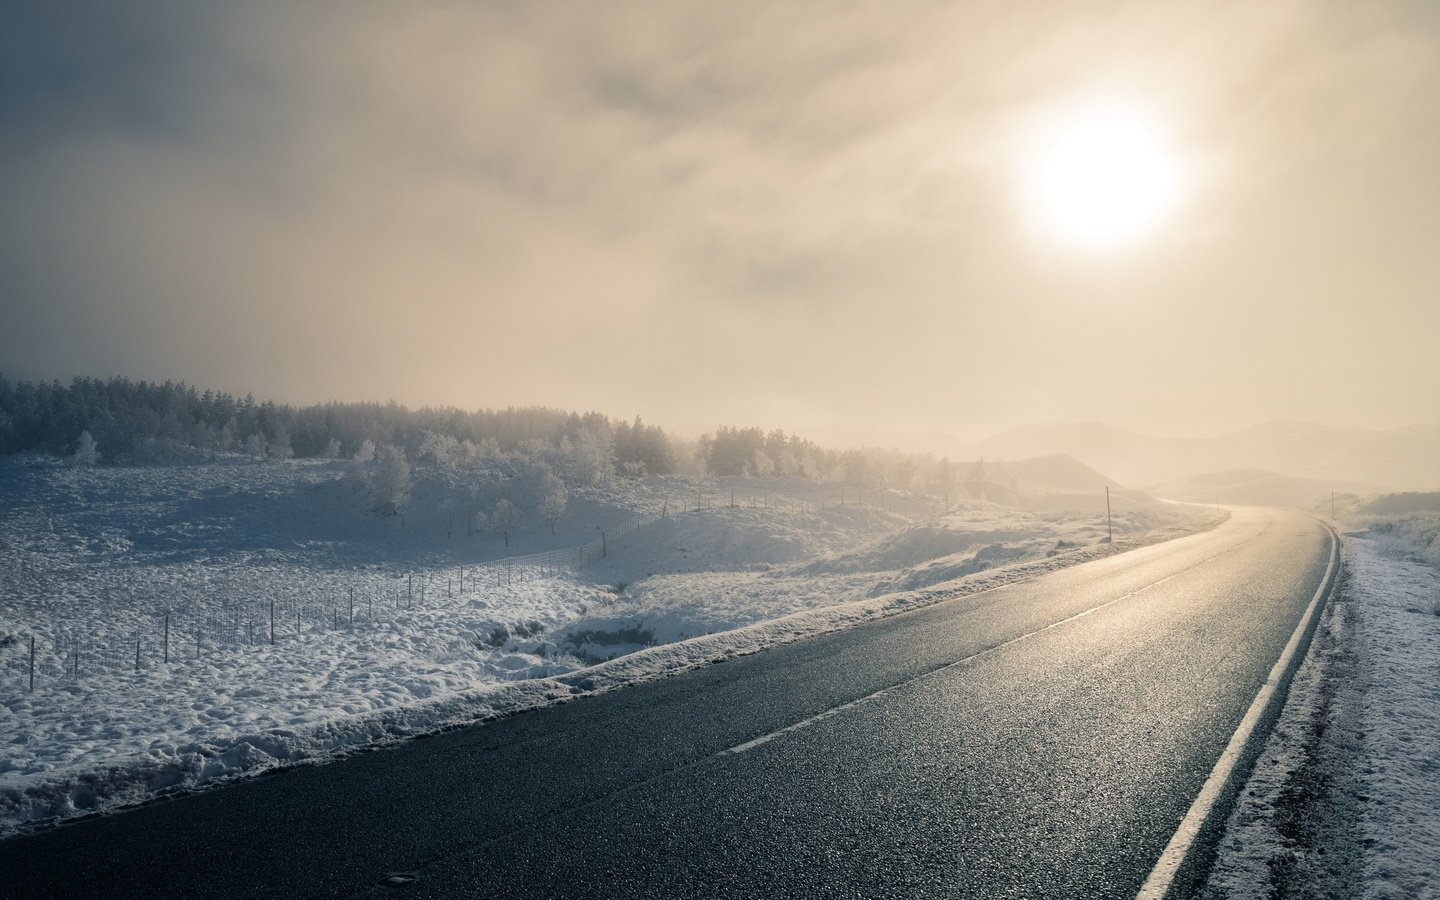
(1042, 739)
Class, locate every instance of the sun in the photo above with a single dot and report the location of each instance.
(1100, 180)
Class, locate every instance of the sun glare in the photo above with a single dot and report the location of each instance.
(1100, 181)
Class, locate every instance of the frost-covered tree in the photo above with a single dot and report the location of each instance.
(785, 462)
(280, 444)
(539, 479)
(332, 449)
(440, 450)
(806, 465)
(366, 451)
(390, 482)
(225, 439)
(903, 474)
(944, 479)
(587, 457)
(488, 448)
(552, 505)
(85, 453)
(761, 464)
(504, 519)
(255, 445)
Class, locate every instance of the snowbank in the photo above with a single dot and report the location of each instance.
(1345, 799)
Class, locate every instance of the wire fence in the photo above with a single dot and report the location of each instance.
(257, 614)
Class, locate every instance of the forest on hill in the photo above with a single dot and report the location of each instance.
(127, 422)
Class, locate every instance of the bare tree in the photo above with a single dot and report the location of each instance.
(503, 520)
(552, 505)
(447, 506)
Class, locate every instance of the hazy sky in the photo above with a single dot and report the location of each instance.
(787, 214)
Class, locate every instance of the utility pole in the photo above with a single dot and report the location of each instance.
(1110, 530)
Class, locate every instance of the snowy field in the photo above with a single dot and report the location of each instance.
(149, 594)
(1345, 799)
(767, 570)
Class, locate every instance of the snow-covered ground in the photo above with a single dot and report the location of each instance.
(1345, 798)
(769, 568)
(96, 565)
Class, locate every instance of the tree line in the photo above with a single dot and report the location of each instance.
(139, 422)
(121, 421)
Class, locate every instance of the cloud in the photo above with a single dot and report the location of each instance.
(696, 211)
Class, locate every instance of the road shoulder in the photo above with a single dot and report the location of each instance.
(1343, 799)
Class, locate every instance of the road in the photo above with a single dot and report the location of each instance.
(1042, 739)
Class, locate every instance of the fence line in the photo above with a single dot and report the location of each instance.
(182, 637)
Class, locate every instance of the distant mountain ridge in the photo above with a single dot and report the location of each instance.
(1256, 487)
(1398, 459)
(1405, 459)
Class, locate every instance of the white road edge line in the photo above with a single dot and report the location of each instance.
(1162, 877)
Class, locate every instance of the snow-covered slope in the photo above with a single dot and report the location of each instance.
(150, 595)
(687, 600)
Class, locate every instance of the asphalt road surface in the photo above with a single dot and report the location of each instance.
(1042, 739)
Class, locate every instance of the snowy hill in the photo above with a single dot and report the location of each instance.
(1057, 472)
